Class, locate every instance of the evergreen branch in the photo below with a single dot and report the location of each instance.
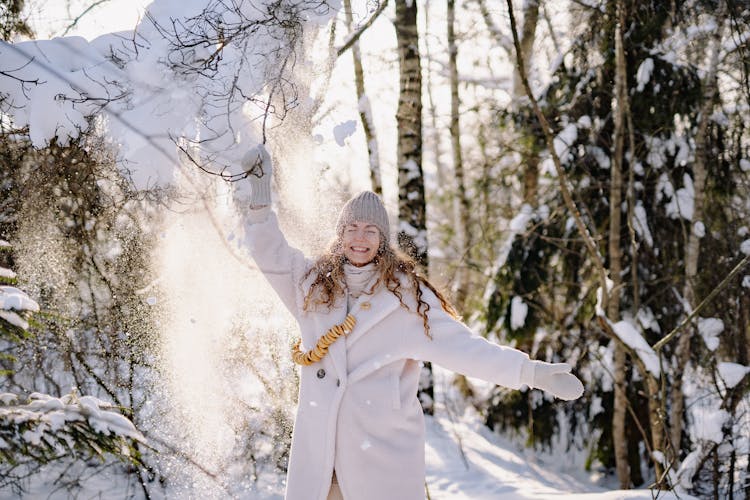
(588, 240)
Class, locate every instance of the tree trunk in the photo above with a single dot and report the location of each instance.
(528, 36)
(529, 151)
(435, 130)
(412, 233)
(692, 251)
(462, 208)
(656, 410)
(619, 435)
(744, 357)
(656, 424)
(365, 110)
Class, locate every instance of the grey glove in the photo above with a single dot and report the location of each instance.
(258, 168)
(554, 378)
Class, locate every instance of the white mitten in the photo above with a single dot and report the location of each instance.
(258, 167)
(554, 378)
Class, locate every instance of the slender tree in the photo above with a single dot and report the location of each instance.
(529, 148)
(412, 234)
(363, 104)
(619, 414)
(412, 230)
(695, 234)
(434, 128)
(462, 208)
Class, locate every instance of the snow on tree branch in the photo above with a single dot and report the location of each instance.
(631, 337)
(48, 428)
(200, 74)
(13, 304)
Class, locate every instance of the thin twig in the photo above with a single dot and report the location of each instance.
(78, 18)
(498, 35)
(355, 36)
(734, 272)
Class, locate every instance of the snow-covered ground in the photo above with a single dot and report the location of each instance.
(467, 461)
(494, 469)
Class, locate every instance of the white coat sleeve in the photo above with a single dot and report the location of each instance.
(454, 346)
(282, 265)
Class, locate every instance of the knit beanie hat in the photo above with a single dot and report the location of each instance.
(365, 207)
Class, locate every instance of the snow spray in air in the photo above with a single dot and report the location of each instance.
(219, 407)
(225, 336)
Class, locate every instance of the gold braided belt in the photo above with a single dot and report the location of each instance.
(321, 347)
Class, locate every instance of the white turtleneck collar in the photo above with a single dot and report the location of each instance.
(360, 280)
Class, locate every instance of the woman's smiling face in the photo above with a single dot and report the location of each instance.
(360, 242)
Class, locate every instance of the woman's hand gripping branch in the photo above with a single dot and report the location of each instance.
(258, 168)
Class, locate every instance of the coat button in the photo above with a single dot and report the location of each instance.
(321, 373)
(338, 382)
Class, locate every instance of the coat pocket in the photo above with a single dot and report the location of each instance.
(396, 391)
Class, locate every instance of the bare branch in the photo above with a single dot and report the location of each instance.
(23, 82)
(721, 286)
(355, 36)
(80, 16)
(501, 38)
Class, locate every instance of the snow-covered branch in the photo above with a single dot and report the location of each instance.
(48, 428)
(201, 74)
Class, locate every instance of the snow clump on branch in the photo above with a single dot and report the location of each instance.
(190, 83)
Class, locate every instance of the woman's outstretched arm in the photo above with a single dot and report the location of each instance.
(454, 346)
(281, 264)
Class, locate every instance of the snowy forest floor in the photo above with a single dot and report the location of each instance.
(465, 461)
(495, 469)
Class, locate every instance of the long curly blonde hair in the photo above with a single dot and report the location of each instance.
(329, 280)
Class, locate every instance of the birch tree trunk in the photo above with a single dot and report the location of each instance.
(620, 412)
(412, 229)
(461, 204)
(692, 252)
(412, 233)
(656, 407)
(365, 110)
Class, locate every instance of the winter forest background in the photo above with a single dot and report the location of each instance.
(576, 175)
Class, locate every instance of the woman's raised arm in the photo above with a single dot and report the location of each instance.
(281, 264)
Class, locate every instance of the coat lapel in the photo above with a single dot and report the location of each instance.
(369, 310)
(337, 351)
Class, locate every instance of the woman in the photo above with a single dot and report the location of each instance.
(367, 319)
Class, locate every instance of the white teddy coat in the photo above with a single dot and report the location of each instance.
(358, 411)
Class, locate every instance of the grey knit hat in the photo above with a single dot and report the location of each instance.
(365, 207)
